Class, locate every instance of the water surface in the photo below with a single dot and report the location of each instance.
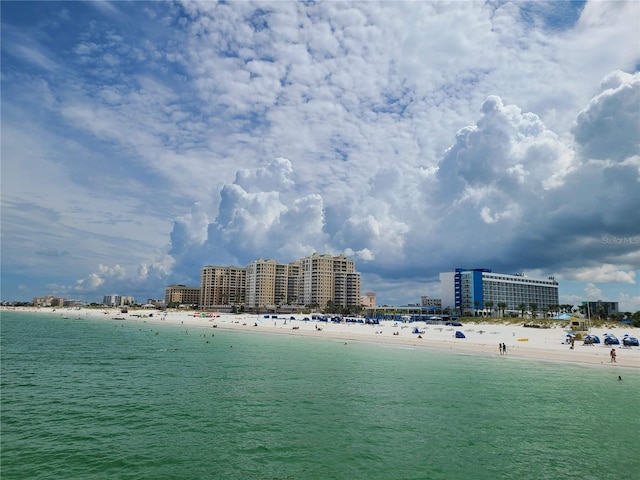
(86, 398)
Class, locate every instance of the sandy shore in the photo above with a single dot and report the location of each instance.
(521, 342)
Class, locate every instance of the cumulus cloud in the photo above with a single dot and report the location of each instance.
(507, 180)
(259, 215)
(606, 273)
(611, 119)
(628, 303)
(509, 194)
(591, 291)
(505, 152)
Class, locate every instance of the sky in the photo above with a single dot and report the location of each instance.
(142, 141)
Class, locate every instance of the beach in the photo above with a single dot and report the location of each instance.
(542, 344)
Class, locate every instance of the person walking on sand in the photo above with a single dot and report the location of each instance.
(500, 348)
(504, 349)
(613, 355)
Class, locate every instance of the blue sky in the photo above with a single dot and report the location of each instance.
(144, 140)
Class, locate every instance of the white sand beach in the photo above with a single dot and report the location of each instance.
(481, 338)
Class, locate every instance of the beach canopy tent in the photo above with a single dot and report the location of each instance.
(459, 334)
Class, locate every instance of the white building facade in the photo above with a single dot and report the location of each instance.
(469, 291)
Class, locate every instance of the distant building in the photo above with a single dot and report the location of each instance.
(599, 309)
(181, 295)
(221, 286)
(294, 283)
(325, 278)
(468, 291)
(271, 284)
(48, 301)
(115, 300)
(431, 302)
(261, 283)
(347, 283)
(126, 300)
(368, 300)
(73, 303)
(314, 280)
(111, 300)
(155, 303)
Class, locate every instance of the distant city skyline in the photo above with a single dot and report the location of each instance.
(143, 140)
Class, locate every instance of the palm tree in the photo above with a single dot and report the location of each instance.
(489, 305)
(502, 306)
(476, 303)
(534, 309)
(522, 307)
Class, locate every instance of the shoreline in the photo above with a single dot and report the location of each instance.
(481, 338)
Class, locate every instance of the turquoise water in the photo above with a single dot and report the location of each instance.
(117, 399)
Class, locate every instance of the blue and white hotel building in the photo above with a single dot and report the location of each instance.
(468, 290)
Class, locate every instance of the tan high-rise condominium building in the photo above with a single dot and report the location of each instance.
(314, 280)
(317, 280)
(222, 286)
(326, 278)
(181, 295)
(294, 283)
(270, 283)
(261, 283)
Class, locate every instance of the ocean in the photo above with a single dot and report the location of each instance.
(107, 399)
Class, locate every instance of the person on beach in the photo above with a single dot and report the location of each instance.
(500, 348)
(504, 349)
(613, 355)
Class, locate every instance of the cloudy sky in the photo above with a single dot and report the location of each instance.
(142, 141)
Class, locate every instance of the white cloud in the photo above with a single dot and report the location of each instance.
(611, 119)
(591, 291)
(602, 274)
(628, 303)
